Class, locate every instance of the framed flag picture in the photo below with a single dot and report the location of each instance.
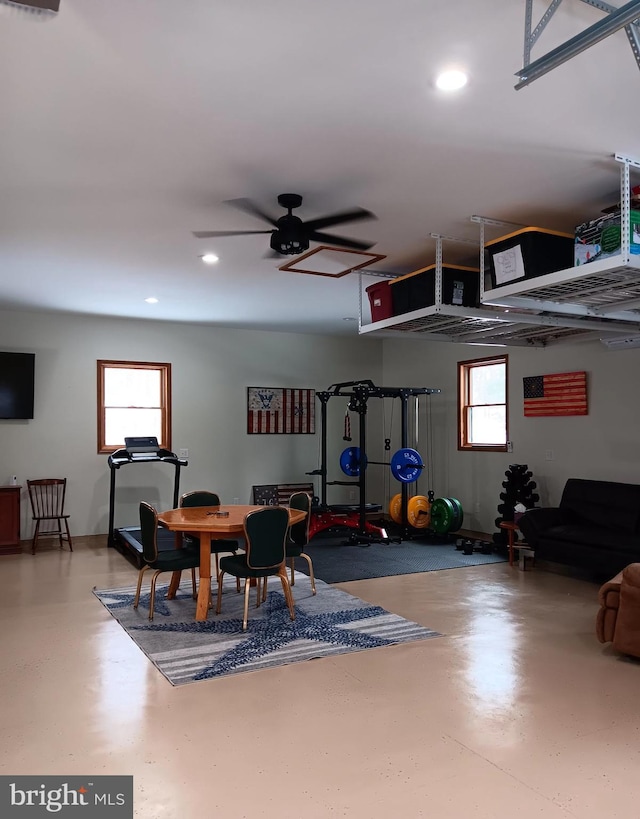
(280, 411)
(555, 394)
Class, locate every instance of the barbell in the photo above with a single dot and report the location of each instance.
(405, 463)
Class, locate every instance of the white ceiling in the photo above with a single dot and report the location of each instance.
(125, 125)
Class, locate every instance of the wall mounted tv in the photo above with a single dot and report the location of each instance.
(16, 385)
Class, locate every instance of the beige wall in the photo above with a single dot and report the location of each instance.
(604, 444)
(211, 369)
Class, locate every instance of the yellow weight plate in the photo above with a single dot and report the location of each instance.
(419, 512)
(395, 508)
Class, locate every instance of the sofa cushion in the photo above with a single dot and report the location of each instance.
(614, 506)
(604, 539)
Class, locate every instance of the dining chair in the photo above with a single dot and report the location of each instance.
(47, 504)
(171, 560)
(202, 497)
(299, 536)
(265, 532)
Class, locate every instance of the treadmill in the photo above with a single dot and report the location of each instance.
(140, 450)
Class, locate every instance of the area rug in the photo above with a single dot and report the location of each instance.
(335, 562)
(331, 622)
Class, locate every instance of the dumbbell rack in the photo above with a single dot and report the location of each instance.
(359, 393)
(518, 488)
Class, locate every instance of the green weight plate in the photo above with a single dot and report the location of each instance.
(442, 515)
(459, 514)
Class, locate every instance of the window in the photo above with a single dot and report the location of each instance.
(134, 400)
(482, 404)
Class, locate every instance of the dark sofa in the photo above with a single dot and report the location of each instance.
(596, 527)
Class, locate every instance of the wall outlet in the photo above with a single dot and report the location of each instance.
(509, 446)
(548, 454)
(352, 494)
(184, 453)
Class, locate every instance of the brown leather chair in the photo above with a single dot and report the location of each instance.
(618, 620)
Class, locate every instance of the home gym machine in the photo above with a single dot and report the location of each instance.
(405, 464)
(135, 451)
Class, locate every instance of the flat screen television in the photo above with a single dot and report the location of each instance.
(16, 385)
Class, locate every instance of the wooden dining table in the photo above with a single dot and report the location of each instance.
(208, 524)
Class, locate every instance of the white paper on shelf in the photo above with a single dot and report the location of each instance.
(509, 265)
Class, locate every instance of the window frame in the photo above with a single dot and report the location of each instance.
(464, 369)
(164, 369)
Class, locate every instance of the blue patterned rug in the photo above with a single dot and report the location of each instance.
(331, 622)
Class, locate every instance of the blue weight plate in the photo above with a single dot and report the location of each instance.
(350, 461)
(406, 465)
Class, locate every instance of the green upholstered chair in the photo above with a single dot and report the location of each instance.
(201, 497)
(265, 532)
(172, 560)
(299, 536)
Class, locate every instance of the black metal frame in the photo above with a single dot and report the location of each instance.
(359, 393)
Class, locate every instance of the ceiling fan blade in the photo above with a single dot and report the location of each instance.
(208, 234)
(339, 218)
(249, 206)
(339, 241)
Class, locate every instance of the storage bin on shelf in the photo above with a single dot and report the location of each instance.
(601, 238)
(413, 291)
(380, 300)
(528, 253)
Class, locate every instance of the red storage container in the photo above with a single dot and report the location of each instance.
(380, 300)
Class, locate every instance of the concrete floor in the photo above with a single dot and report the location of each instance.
(517, 712)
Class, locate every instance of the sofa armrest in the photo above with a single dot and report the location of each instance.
(627, 631)
(631, 575)
(534, 522)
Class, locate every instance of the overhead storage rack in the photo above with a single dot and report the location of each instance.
(604, 288)
(600, 299)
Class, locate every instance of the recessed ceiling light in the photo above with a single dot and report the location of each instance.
(451, 80)
(152, 300)
(209, 258)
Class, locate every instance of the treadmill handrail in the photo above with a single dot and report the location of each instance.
(122, 456)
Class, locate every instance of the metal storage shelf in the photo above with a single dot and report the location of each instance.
(481, 325)
(607, 287)
(591, 301)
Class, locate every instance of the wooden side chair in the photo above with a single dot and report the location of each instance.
(265, 531)
(171, 560)
(299, 536)
(202, 497)
(47, 506)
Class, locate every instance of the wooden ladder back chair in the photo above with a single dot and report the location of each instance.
(47, 504)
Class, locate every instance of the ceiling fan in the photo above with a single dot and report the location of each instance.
(290, 235)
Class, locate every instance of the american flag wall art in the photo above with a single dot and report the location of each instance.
(277, 410)
(555, 394)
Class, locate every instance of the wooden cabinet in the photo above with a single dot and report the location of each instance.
(10, 520)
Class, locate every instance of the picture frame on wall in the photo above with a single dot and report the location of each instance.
(280, 411)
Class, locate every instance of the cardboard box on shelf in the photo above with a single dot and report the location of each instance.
(601, 238)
